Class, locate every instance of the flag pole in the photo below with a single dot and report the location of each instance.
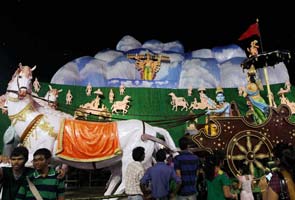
(269, 93)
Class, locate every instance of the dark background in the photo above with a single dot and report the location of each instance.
(51, 33)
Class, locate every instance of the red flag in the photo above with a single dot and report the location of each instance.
(252, 30)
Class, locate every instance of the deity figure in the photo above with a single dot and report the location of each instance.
(69, 98)
(122, 89)
(148, 64)
(111, 96)
(258, 107)
(36, 85)
(206, 102)
(253, 50)
(221, 108)
(189, 91)
(148, 67)
(88, 89)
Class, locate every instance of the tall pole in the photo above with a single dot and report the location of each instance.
(269, 93)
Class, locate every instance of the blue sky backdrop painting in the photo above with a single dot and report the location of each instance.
(219, 66)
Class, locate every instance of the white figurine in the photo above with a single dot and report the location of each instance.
(178, 101)
(122, 89)
(121, 105)
(111, 96)
(69, 98)
(36, 85)
(88, 89)
(189, 91)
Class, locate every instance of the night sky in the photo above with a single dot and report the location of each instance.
(51, 33)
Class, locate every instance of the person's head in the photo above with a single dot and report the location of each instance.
(252, 78)
(18, 157)
(220, 97)
(41, 159)
(161, 155)
(138, 154)
(20, 151)
(202, 90)
(184, 142)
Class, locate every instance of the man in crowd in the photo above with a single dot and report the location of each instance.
(43, 181)
(13, 177)
(134, 173)
(159, 176)
(186, 165)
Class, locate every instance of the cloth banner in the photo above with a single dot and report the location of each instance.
(85, 141)
(252, 30)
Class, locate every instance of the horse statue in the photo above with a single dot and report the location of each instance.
(178, 101)
(50, 98)
(121, 105)
(52, 129)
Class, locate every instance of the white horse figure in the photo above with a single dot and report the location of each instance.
(50, 98)
(121, 105)
(178, 101)
(40, 130)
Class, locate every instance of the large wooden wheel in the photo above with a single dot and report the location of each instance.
(250, 147)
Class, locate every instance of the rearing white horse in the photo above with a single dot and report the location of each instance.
(38, 129)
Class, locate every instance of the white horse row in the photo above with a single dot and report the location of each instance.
(205, 102)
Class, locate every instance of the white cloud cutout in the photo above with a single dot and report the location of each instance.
(200, 68)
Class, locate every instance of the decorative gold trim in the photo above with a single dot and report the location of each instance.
(21, 116)
(45, 126)
(59, 147)
(32, 126)
(118, 152)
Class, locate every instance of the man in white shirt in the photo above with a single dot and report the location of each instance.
(134, 173)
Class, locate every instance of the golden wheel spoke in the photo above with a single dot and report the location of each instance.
(257, 146)
(249, 144)
(261, 155)
(238, 157)
(259, 164)
(251, 168)
(242, 149)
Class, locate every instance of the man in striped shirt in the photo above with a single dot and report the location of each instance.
(186, 165)
(44, 178)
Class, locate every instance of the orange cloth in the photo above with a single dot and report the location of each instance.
(86, 141)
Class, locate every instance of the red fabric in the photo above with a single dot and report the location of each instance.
(252, 30)
(86, 141)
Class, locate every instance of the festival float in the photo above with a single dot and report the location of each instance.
(224, 98)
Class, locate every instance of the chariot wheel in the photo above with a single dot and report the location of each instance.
(251, 148)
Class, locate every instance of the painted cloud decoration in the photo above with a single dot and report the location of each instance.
(209, 68)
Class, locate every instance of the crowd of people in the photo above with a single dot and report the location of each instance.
(179, 178)
(187, 170)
